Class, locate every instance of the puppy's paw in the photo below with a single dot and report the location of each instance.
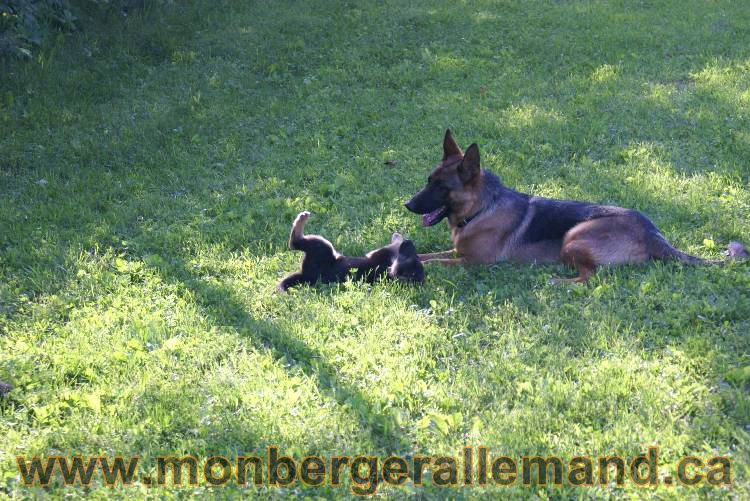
(397, 237)
(302, 216)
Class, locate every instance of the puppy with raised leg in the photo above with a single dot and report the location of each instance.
(323, 263)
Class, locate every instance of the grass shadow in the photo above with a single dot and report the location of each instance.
(223, 307)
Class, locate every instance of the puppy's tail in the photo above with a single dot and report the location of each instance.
(661, 249)
(291, 281)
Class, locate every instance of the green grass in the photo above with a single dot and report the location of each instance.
(150, 168)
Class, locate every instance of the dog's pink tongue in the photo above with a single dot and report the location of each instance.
(429, 219)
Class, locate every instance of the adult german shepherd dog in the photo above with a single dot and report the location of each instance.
(490, 222)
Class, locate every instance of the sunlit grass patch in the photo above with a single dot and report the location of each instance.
(150, 170)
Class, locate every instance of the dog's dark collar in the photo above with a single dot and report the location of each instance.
(469, 219)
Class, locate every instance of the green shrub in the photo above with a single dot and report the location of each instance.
(25, 24)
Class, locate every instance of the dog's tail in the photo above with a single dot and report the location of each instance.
(662, 249)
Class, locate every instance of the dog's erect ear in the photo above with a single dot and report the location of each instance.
(407, 248)
(449, 145)
(469, 167)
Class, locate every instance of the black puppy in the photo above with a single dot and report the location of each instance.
(322, 263)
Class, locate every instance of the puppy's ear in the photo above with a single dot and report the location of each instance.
(407, 249)
(469, 167)
(396, 237)
(449, 145)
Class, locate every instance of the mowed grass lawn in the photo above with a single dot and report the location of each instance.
(150, 168)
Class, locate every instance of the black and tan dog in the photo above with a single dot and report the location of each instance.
(322, 263)
(490, 223)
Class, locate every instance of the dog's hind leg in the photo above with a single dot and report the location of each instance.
(577, 255)
(298, 230)
(602, 242)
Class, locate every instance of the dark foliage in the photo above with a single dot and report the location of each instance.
(25, 24)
